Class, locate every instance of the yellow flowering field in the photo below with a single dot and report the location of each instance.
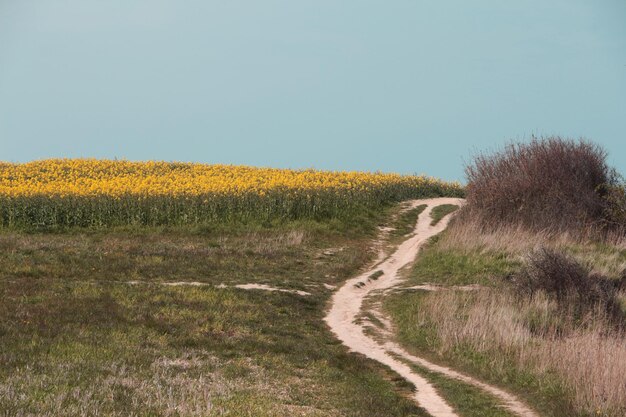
(90, 192)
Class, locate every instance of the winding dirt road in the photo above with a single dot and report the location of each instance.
(347, 307)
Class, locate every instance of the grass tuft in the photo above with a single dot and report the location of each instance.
(439, 212)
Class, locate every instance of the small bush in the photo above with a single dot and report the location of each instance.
(546, 184)
(571, 284)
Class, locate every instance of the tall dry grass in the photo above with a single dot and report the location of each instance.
(466, 233)
(532, 334)
(594, 363)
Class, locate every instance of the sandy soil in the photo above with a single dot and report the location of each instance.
(261, 287)
(268, 288)
(347, 306)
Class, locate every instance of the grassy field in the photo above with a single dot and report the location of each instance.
(119, 279)
(79, 339)
(562, 363)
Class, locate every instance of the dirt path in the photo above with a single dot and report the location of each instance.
(347, 306)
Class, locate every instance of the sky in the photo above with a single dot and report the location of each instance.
(409, 86)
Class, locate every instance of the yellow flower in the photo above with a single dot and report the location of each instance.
(48, 184)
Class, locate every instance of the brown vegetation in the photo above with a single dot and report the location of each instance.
(550, 184)
(574, 287)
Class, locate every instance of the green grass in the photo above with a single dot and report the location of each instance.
(442, 211)
(376, 275)
(467, 400)
(76, 339)
(405, 222)
(449, 267)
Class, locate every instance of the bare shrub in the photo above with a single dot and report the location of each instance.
(572, 285)
(547, 184)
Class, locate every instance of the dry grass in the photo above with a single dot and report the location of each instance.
(466, 234)
(193, 384)
(274, 244)
(590, 359)
(594, 364)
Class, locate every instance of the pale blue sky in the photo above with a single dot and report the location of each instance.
(392, 85)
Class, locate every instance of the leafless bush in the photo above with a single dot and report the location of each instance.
(546, 184)
(576, 289)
